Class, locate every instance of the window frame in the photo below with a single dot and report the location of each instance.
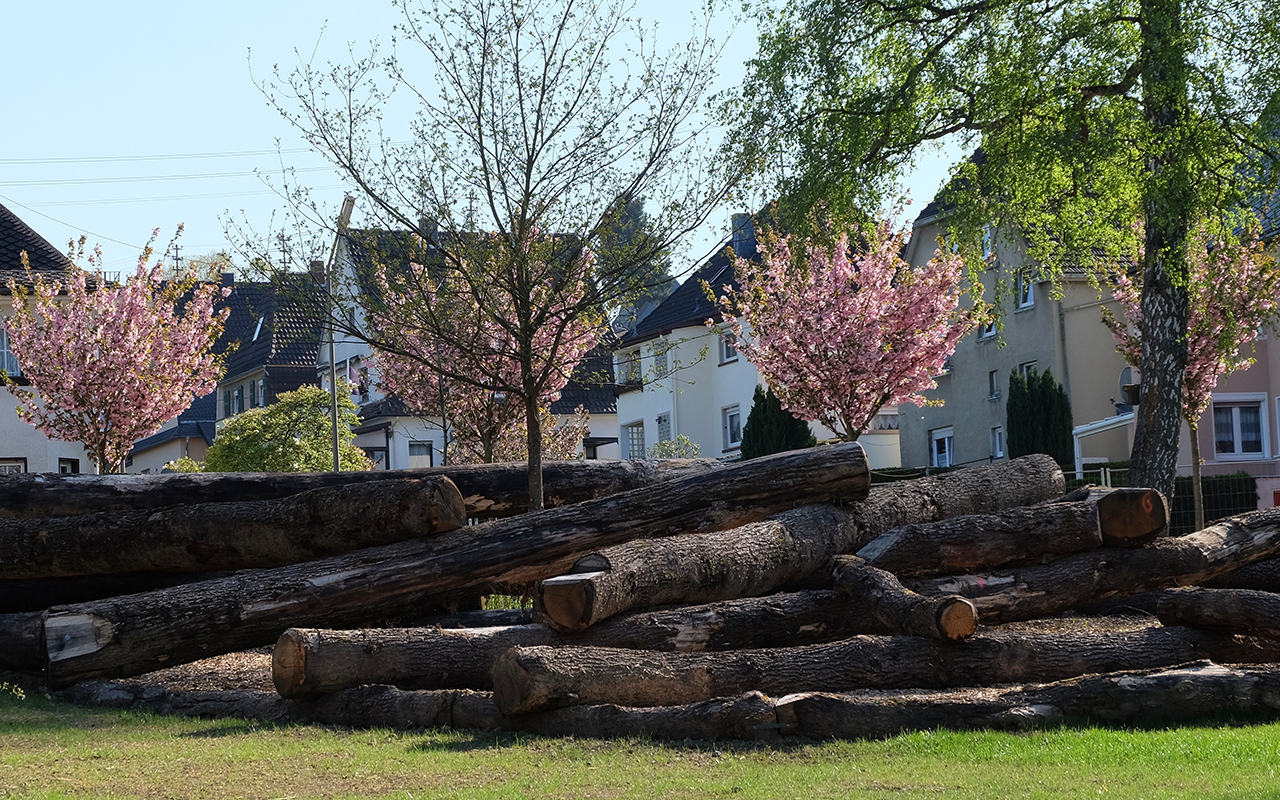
(997, 441)
(431, 453)
(7, 358)
(631, 440)
(663, 421)
(728, 348)
(13, 461)
(1236, 400)
(1024, 291)
(947, 434)
(727, 429)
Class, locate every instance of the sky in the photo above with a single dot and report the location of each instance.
(125, 117)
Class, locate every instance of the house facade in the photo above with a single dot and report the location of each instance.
(677, 376)
(23, 448)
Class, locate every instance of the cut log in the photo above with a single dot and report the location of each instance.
(1184, 694)
(489, 490)
(1263, 576)
(536, 678)
(229, 536)
(1078, 580)
(759, 558)
(1244, 611)
(21, 642)
(1041, 532)
(310, 662)
(139, 633)
(899, 608)
(39, 594)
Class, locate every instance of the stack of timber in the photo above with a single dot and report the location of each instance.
(776, 597)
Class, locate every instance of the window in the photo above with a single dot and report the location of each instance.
(629, 368)
(1024, 290)
(997, 442)
(728, 347)
(1025, 368)
(69, 466)
(8, 362)
(253, 394)
(634, 437)
(988, 243)
(420, 455)
(660, 361)
(987, 330)
(885, 420)
(993, 384)
(239, 399)
(731, 420)
(941, 448)
(262, 391)
(664, 427)
(226, 403)
(1239, 426)
(13, 466)
(378, 455)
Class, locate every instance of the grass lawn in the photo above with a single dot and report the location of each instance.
(51, 749)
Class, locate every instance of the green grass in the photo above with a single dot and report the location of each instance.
(51, 749)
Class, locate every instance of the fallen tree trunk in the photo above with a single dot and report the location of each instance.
(984, 541)
(229, 536)
(791, 547)
(900, 609)
(1185, 694)
(309, 662)
(39, 594)
(138, 633)
(1243, 611)
(488, 490)
(22, 642)
(1077, 580)
(537, 678)
(1263, 576)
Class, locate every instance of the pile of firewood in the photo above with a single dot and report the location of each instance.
(684, 599)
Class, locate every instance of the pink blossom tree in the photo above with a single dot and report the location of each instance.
(108, 364)
(451, 341)
(1233, 288)
(838, 335)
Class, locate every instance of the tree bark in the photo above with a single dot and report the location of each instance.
(229, 536)
(489, 491)
(1184, 694)
(1243, 611)
(1077, 580)
(1262, 575)
(139, 633)
(309, 662)
(22, 642)
(41, 593)
(759, 558)
(538, 678)
(900, 609)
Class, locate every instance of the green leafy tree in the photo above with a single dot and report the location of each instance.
(680, 447)
(293, 434)
(1038, 417)
(1089, 114)
(771, 428)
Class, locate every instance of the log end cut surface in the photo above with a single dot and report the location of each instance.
(957, 618)
(1132, 517)
(289, 664)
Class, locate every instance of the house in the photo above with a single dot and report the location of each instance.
(187, 436)
(677, 376)
(23, 448)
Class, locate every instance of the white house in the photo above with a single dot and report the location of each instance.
(22, 447)
(677, 376)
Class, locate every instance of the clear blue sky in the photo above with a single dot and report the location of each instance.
(123, 117)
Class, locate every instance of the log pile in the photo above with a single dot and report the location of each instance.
(775, 597)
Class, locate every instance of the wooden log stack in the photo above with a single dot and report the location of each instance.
(776, 597)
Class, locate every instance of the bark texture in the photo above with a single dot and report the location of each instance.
(21, 642)
(900, 609)
(789, 548)
(1199, 691)
(41, 593)
(229, 536)
(138, 633)
(310, 662)
(1078, 580)
(985, 541)
(488, 490)
(537, 678)
(1244, 611)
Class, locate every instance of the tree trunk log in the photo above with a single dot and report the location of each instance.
(229, 536)
(21, 642)
(139, 633)
(1185, 694)
(537, 678)
(759, 558)
(900, 609)
(310, 662)
(39, 594)
(488, 490)
(1077, 580)
(1243, 611)
(1262, 575)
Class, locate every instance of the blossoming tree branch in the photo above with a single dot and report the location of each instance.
(109, 364)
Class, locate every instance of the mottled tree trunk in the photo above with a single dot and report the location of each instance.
(1167, 203)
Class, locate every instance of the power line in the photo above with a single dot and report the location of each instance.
(151, 178)
(168, 198)
(68, 224)
(168, 157)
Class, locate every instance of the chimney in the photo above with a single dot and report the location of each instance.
(228, 279)
(744, 236)
(317, 272)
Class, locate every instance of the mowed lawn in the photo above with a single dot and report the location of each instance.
(52, 749)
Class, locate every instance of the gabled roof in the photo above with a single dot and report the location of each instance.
(204, 429)
(16, 237)
(271, 332)
(592, 383)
